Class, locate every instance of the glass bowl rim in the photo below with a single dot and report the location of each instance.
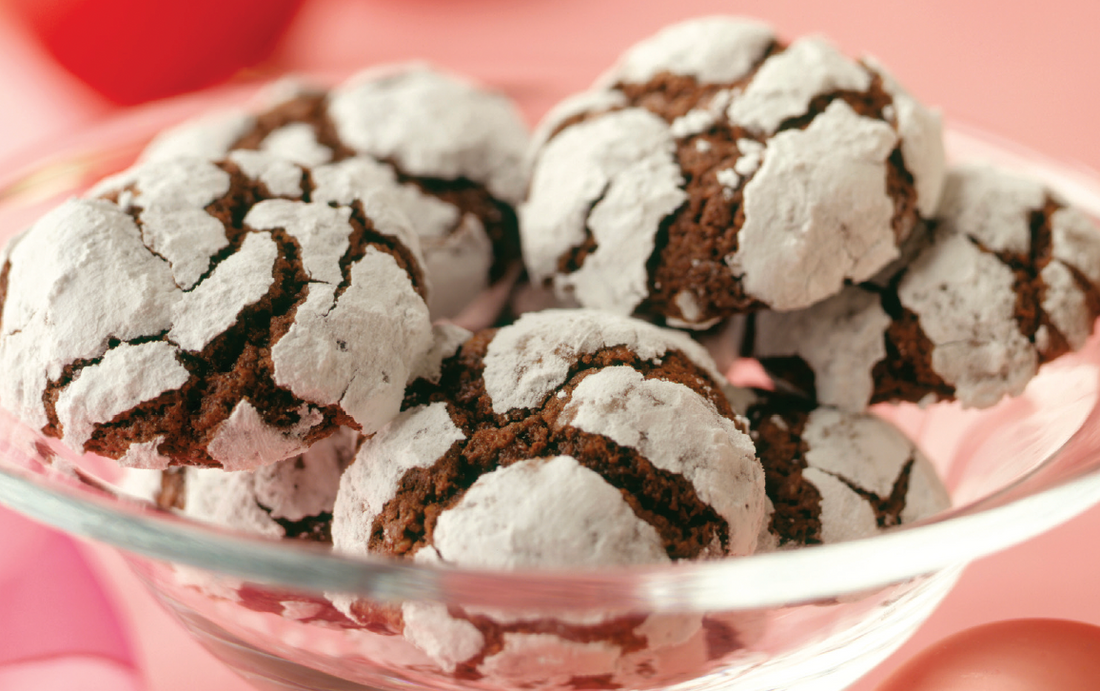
(953, 537)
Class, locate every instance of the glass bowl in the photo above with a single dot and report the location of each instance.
(815, 618)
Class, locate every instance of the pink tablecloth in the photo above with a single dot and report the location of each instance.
(1025, 71)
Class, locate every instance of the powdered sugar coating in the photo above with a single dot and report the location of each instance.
(82, 248)
(297, 142)
(126, 376)
(812, 183)
(991, 207)
(864, 452)
(844, 514)
(786, 83)
(813, 189)
(144, 455)
(921, 131)
(711, 49)
(1002, 285)
(841, 342)
(504, 521)
(530, 358)
(415, 439)
(93, 289)
(325, 357)
(171, 195)
(293, 489)
(459, 140)
(282, 178)
(863, 472)
(434, 125)
(966, 301)
(1066, 305)
(698, 443)
(862, 449)
(239, 281)
(210, 137)
(245, 441)
(321, 231)
(458, 253)
(616, 178)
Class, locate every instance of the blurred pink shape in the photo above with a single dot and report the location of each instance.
(1014, 655)
(23, 540)
(51, 604)
(60, 674)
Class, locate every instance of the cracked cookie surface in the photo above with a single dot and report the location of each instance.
(570, 438)
(1008, 279)
(715, 170)
(449, 151)
(833, 476)
(224, 314)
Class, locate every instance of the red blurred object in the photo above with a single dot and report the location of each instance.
(1011, 655)
(132, 51)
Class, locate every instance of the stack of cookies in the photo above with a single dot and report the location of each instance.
(262, 318)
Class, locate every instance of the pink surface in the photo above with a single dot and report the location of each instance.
(53, 606)
(1024, 71)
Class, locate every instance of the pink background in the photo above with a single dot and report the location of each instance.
(1029, 72)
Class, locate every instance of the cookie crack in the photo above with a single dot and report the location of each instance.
(670, 96)
(1027, 268)
(364, 235)
(688, 529)
(693, 243)
(309, 109)
(782, 452)
(54, 388)
(498, 218)
(868, 103)
(905, 373)
(315, 528)
(233, 367)
(887, 509)
(573, 259)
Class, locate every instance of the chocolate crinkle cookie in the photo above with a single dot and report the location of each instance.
(571, 438)
(1009, 278)
(450, 152)
(832, 475)
(291, 498)
(716, 170)
(225, 314)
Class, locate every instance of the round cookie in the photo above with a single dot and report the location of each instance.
(570, 439)
(292, 498)
(713, 163)
(451, 153)
(1009, 279)
(833, 476)
(201, 313)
